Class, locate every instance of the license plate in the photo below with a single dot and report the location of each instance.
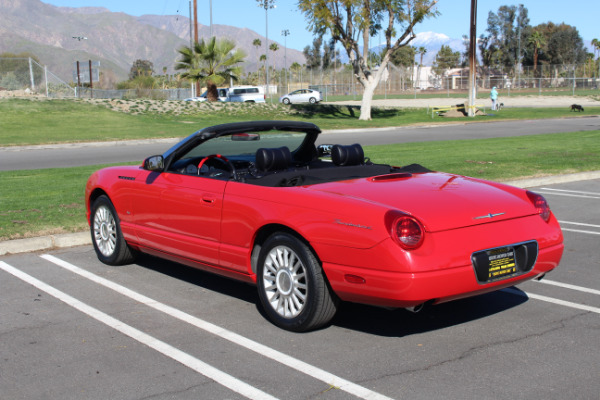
(501, 263)
(495, 264)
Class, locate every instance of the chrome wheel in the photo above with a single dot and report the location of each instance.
(284, 279)
(105, 231)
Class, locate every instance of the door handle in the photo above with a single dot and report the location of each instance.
(208, 199)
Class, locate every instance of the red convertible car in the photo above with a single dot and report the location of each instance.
(311, 225)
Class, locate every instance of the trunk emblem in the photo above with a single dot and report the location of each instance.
(489, 216)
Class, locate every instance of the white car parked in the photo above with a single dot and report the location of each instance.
(301, 96)
(246, 94)
(203, 97)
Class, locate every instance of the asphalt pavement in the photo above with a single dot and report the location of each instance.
(81, 154)
(74, 328)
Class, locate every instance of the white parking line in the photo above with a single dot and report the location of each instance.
(579, 230)
(569, 286)
(282, 358)
(580, 224)
(571, 191)
(581, 196)
(189, 361)
(552, 300)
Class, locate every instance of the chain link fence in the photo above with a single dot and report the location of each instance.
(25, 75)
(420, 81)
(28, 76)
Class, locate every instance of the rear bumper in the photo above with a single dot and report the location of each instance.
(402, 289)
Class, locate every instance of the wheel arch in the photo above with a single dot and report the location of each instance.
(265, 232)
(97, 192)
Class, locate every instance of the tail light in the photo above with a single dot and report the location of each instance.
(406, 230)
(540, 204)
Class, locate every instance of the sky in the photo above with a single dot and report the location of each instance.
(453, 20)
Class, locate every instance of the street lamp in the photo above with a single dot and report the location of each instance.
(266, 4)
(210, 10)
(285, 33)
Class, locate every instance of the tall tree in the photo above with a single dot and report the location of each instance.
(422, 51)
(536, 41)
(565, 46)
(141, 68)
(445, 59)
(403, 57)
(212, 62)
(330, 54)
(349, 21)
(257, 43)
(507, 30)
(596, 46)
(313, 54)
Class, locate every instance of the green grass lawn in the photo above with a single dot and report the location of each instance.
(34, 202)
(28, 122)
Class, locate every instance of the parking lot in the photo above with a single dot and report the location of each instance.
(74, 328)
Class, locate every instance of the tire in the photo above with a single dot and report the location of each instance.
(312, 100)
(286, 101)
(292, 288)
(109, 244)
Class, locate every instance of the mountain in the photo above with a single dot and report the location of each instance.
(114, 39)
(431, 41)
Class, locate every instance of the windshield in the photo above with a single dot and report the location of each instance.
(245, 145)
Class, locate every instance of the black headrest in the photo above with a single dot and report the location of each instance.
(273, 159)
(347, 155)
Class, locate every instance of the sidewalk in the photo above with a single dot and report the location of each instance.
(44, 243)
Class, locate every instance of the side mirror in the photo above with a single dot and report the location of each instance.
(154, 163)
(324, 150)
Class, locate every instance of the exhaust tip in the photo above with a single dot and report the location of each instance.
(416, 309)
(540, 277)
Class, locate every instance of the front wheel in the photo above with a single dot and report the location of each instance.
(109, 244)
(286, 101)
(291, 285)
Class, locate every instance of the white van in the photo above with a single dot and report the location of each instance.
(246, 94)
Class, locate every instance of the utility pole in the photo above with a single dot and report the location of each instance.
(285, 33)
(210, 10)
(197, 88)
(195, 21)
(266, 4)
(472, 59)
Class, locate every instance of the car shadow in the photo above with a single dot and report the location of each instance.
(197, 277)
(362, 318)
(400, 322)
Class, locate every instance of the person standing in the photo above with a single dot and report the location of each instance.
(494, 97)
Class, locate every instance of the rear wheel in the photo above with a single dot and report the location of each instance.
(292, 287)
(109, 244)
(286, 101)
(312, 100)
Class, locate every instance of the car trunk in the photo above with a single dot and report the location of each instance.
(441, 201)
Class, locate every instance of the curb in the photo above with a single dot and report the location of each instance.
(17, 246)
(51, 242)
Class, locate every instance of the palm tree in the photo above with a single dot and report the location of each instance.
(596, 45)
(273, 47)
(537, 41)
(421, 50)
(212, 62)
